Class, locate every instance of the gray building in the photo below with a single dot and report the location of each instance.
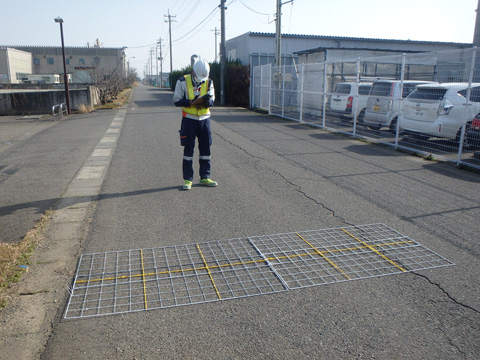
(255, 48)
(81, 62)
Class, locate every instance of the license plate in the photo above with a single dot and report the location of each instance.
(376, 107)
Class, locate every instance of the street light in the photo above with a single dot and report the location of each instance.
(65, 79)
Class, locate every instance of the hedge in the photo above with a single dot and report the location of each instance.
(237, 82)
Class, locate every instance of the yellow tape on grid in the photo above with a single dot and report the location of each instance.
(136, 280)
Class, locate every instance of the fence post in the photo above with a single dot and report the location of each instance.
(283, 91)
(467, 104)
(324, 92)
(302, 73)
(357, 81)
(402, 77)
(261, 86)
(252, 88)
(270, 88)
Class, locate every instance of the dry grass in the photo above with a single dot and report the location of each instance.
(14, 256)
(120, 100)
(85, 109)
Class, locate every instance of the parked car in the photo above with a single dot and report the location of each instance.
(385, 101)
(438, 110)
(348, 96)
(473, 132)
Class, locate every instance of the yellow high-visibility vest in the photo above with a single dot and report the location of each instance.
(190, 94)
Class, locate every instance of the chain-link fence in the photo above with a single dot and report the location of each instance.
(425, 102)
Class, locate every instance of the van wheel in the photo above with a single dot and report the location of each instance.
(466, 144)
(361, 117)
(393, 126)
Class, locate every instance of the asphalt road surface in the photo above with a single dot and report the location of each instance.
(275, 177)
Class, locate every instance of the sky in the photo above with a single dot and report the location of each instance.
(139, 24)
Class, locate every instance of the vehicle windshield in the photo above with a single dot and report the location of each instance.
(342, 89)
(474, 94)
(421, 93)
(381, 89)
(364, 89)
(408, 88)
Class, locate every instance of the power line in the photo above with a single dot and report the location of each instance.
(139, 47)
(254, 10)
(185, 19)
(196, 28)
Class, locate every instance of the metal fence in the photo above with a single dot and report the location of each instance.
(428, 103)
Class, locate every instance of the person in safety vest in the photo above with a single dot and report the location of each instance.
(195, 94)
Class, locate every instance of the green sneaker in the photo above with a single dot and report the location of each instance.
(187, 185)
(208, 182)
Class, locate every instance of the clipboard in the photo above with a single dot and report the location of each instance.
(200, 101)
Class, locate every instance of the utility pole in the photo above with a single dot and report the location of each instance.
(161, 62)
(151, 65)
(278, 36)
(156, 62)
(170, 35)
(217, 32)
(476, 43)
(222, 52)
(476, 32)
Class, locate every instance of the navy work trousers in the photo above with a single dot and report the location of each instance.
(190, 130)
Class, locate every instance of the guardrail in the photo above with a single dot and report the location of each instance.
(61, 109)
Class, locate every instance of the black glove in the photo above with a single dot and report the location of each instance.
(208, 100)
(183, 103)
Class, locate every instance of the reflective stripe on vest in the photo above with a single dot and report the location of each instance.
(190, 94)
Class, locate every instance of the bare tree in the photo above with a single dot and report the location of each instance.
(109, 82)
(131, 77)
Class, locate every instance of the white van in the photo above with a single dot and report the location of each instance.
(385, 101)
(348, 96)
(438, 110)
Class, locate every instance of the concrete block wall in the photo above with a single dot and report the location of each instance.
(41, 102)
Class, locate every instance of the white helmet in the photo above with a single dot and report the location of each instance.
(201, 69)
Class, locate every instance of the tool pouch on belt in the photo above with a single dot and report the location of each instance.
(183, 138)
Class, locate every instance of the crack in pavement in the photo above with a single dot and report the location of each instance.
(238, 147)
(446, 293)
(298, 187)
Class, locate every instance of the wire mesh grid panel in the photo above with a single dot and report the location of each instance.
(135, 280)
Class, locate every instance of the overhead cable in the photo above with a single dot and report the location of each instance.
(195, 28)
(253, 10)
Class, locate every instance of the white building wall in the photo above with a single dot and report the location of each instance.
(14, 62)
(245, 45)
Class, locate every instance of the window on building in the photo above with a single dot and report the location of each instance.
(22, 76)
(36, 61)
(81, 61)
(96, 61)
(50, 61)
(67, 61)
